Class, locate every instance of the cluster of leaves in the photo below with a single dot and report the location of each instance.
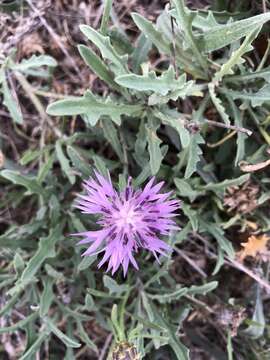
(207, 63)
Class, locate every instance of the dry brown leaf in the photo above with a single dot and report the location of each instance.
(252, 225)
(251, 168)
(255, 245)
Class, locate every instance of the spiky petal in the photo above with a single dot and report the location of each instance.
(129, 220)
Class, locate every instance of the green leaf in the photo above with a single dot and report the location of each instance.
(111, 135)
(57, 275)
(106, 16)
(216, 231)
(85, 338)
(106, 48)
(20, 324)
(93, 108)
(202, 289)
(241, 138)
(89, 303)
(64, 162)
(150, 82)
(220, 261)
(29, 155)
(46, 249)
(256, 329)
(155, 333)
(97, 65)
(113, 287)
(18, 263)
(203, 22)
(218, 104)
(256, 99)
(236, 57)
(184, 20)
(262, 74)
(173, 119)
(78, 161)
(27, 181)
(61, 336)
(9, 304)
(192, 216)
(100, 166)
(35, 61)
(46, 297)
(181, 352)
(185, 190)
(151, 33)
(220, 187)
(194, 152)
(188, 89)
(222, 35)
(11, 104)
(171, 296)
(46, 167)
(154, 147)
(34, 348)
(140, 53)
(86, 262)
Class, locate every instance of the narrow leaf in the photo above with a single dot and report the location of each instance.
(150, 32)
(154, 147)
(97, 65)
(64, 162)
(11, 104)
(27, 181)
(194, 152)
(46, 249)
(106, 48)
(236, 57)
(61, 336)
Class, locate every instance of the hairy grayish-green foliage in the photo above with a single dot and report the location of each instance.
(152, 121)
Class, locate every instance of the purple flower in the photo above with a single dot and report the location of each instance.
(129, 220)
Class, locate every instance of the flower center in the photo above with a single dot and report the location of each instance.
(126, 216)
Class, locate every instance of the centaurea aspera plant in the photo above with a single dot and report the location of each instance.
(129, 220)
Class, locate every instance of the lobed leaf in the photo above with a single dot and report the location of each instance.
(34, 62)
(222, 35)
(150, 82)
(93, 108)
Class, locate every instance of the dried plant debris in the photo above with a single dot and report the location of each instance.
(256, 245)
(134, 91)
(242, 199)
(125, 351)
(230, 318)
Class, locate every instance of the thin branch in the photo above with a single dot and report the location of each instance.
(36, 102)
(223, 140)
(105, 347)
(225, 126)
(235, 264)
(56, 38)
(52, 95)
(191, 262)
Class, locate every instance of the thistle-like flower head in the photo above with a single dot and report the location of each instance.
(129, 220)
